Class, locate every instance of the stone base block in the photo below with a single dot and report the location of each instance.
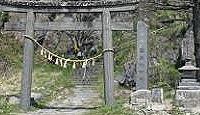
(189, 84)
(188, 87)
(188, 80)
(157, 95)
(188, 99)
(141, 99)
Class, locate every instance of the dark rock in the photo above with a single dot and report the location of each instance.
(129, 77)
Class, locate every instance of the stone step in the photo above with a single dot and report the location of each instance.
(84, 83)
(93, 82)
(188, 87)
(88, 84)
(188, 80)
(86, 80)
(78, 80)
(85, 86)
(189, 84)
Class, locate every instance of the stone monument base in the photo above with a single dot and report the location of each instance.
(145, 98)
(188, 99)
(140, 99)
(149, 102)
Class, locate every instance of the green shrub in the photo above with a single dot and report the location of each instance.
(4, 17)
(165, 75)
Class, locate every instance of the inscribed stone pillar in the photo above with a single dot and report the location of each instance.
(142, 64)
(27, 63)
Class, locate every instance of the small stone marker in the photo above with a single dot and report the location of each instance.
(141, 74)
(157, 95)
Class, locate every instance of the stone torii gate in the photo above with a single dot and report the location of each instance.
(106, 26)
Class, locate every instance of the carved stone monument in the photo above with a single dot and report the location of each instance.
(188, 90)
(141, 98)
(141, 71)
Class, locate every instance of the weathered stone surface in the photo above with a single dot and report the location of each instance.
(188, 80)
(187, 94)
(188, 87)
(141, 102)
(189, 84)
(157, 95)
(141, 99)
(188, 91)
(59, 4)
(142, 64)
(158, 107)
(188, 98)
(188, 45)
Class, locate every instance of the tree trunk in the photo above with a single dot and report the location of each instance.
(196, 29)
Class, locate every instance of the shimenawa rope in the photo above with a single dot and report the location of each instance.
(61, 60)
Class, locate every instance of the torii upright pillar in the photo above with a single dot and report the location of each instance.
(108, 58)
(27, 63)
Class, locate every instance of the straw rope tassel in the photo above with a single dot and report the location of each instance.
(42, 52)
(45, 53)
(57, 61)
(74, 65)
(61, 62)
(93, 62)
(65, 64)
(49, 57)
(84, 64)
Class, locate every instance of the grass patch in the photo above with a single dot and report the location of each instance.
(6, 108)
(121, 96)
(116, 109)
(53, 81)
(11, 51)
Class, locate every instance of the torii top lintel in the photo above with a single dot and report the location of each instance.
(68, 6)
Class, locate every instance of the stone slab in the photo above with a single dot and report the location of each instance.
(188, 87)
(141, 99)
(189, 84)
(188, 80)
(188, 98)
(187, 94)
